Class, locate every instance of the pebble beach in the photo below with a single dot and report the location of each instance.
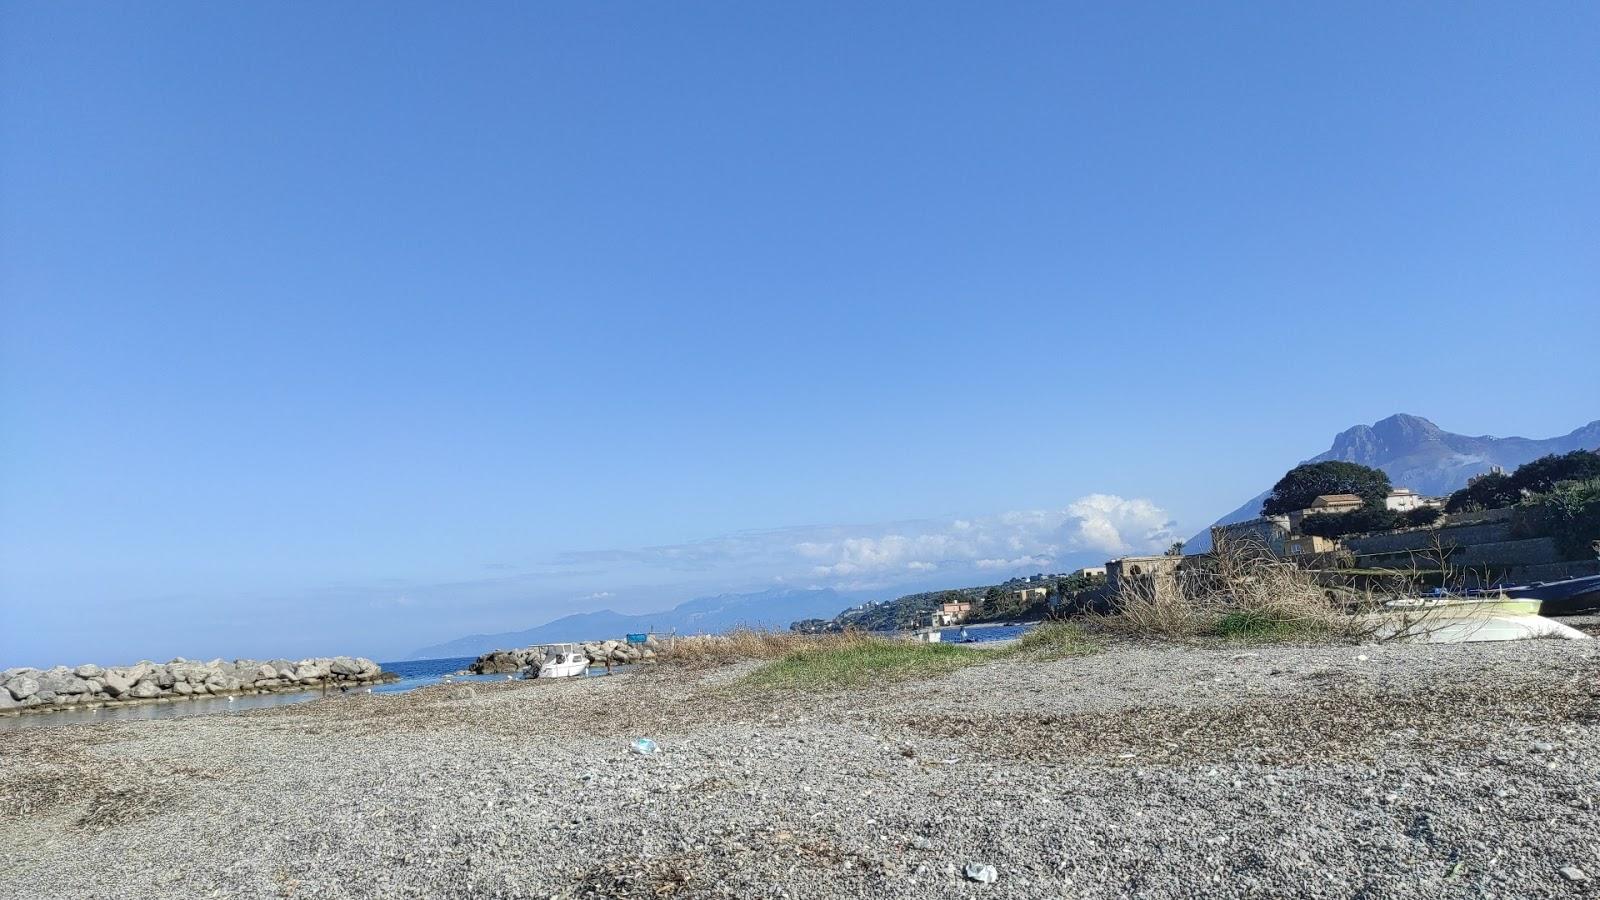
(1145, 770)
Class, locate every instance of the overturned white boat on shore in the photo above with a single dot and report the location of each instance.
(1447, 619)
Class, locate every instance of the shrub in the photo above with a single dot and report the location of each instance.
(1362, 521)
(1422, 516)
(1572, 513)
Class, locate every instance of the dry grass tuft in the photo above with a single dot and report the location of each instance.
(1242, 591)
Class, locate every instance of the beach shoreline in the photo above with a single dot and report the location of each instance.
(1148, 769)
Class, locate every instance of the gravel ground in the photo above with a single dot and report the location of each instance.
(1426, 771)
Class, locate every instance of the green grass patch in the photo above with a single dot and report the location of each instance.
(870, 662)
(1253, 626)
(1056, 640)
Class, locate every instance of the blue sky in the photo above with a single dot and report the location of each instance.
(356, 327)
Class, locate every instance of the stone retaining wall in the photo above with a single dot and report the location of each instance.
(510, 662)
(1421, 539)
(47, 690)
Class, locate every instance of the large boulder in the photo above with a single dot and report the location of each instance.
(88, 670)
(497, 662)
(306, 673)
(117, 682)
(145, 690)
(63, 683)
(345, 666)
(23, 686)
(369, 669)
(8, 702)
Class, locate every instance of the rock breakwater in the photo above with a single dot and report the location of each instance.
(510, 662)
(46, 690)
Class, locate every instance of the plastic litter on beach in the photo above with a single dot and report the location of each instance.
(981, 873)
(644, 746)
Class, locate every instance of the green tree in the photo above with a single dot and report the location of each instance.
(1573, 511)
(1176, 549)
(1308, 481)
(1492, 491)
(1546, 472)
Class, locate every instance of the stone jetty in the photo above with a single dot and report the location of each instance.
(48, 690)
(510, 662)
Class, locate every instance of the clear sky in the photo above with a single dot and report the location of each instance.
(353, 327)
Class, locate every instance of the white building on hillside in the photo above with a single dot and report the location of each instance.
(1405, 500)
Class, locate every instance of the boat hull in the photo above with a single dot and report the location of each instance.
(1572, 597)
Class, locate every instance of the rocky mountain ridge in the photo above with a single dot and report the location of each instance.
(1420, 455)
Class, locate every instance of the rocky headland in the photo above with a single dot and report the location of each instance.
(60, 688)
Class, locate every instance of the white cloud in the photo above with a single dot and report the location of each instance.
(1114, 525)
(1015, 540)
(1091, 528)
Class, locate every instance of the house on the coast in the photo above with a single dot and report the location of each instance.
(952, 613)
(1308, 544)
(1325, 505)
(1405, 499)
(1030, 594)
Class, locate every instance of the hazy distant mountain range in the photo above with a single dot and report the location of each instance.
(767, 609)
(1422, 456)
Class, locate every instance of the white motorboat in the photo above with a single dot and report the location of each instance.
(564, 661)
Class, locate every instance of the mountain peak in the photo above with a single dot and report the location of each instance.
(1396, 435)
(1424, 457)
